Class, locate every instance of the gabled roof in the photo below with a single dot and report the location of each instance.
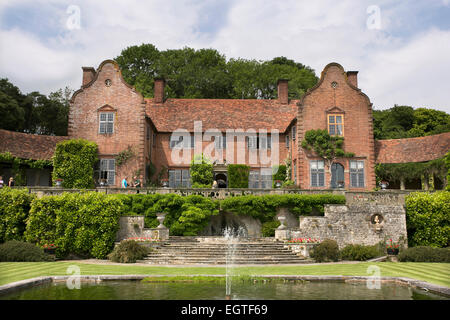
(412, 149)
(221, 114)
(29, 146)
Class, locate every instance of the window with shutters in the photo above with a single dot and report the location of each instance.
(357, 173)
(106, 122)
(317, 172)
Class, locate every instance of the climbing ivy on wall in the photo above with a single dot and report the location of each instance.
(238, 175)
(73, 162)
(411, 170)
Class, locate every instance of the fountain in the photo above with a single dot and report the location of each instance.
(232, 237)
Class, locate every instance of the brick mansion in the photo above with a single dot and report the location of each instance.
(165, 133)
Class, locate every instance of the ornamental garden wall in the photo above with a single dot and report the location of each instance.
(357, 223)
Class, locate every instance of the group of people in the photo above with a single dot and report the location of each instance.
(11, 182)
(136, 183)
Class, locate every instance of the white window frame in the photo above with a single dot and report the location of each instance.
(317, 169)
(106, 122)
(357, 176)
(109, 167)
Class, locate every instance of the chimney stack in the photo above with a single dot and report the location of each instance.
(283, 91)
(352, 77)
(158, 90)
(88, 74)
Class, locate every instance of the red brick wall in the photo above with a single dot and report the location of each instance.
(358, 130)
(129, 122)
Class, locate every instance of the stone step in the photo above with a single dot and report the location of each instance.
(223, 262)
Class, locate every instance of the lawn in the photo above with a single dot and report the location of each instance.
(437, 273)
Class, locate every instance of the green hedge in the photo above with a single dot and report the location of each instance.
(14, 209)
(428, 219)
(360, 252)
(83, 224)
(280, 174)
(264, 208)
(425, 254)
(18, 251)
(238, 175)
(73, 162)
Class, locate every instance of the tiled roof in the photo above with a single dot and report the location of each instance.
(412, 149)
(28, 146)
(221, 114)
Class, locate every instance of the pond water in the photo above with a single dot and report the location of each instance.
(137, 290)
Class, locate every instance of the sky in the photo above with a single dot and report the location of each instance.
(400, 48)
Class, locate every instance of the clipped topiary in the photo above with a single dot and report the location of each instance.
(18, 251)
(327, 250)
(128, 251)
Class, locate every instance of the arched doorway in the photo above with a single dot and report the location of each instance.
(221, 179)
(337, 176)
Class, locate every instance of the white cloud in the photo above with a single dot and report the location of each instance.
(393, 68)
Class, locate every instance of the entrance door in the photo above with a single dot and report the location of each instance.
(337, 175)
(221, 179)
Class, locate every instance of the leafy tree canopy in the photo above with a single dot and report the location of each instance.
(406, 122)
(205, 73)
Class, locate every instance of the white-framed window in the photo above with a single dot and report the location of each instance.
(179, 178)
(177, 142)
(260, 179)
(108, 171)
(287, 141)
(262, 142)
(220, 142)
(357, 173)
(106, 122)
(317, 172)
(294, 132)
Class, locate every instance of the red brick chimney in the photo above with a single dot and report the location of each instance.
(158, 90)
(88, 74)
(283, 91)
(353, 77)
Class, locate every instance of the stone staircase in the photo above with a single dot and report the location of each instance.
(195, 250)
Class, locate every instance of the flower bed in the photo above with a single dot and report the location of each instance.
(303, 240)
(143, 239)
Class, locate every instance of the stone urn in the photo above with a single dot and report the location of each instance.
(282, 219)
(58, 183)
(384, 185)
(161, 217)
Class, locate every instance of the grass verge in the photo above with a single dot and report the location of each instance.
(437, 273)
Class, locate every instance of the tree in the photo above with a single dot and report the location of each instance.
(325, 146)
(206, 74)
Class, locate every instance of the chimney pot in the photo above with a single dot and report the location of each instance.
(283, 91)
(352, 77)
(88, 74)
(158, 90)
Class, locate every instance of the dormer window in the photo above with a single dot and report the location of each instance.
(336, 124)
(106, 122)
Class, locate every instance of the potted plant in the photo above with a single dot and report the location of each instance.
(384, 185)
(165, 183)
(58, 182)
(278, 184)
(341, 184)
(392, 248)
(49, 248)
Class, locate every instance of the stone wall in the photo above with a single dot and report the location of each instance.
(358, 223)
